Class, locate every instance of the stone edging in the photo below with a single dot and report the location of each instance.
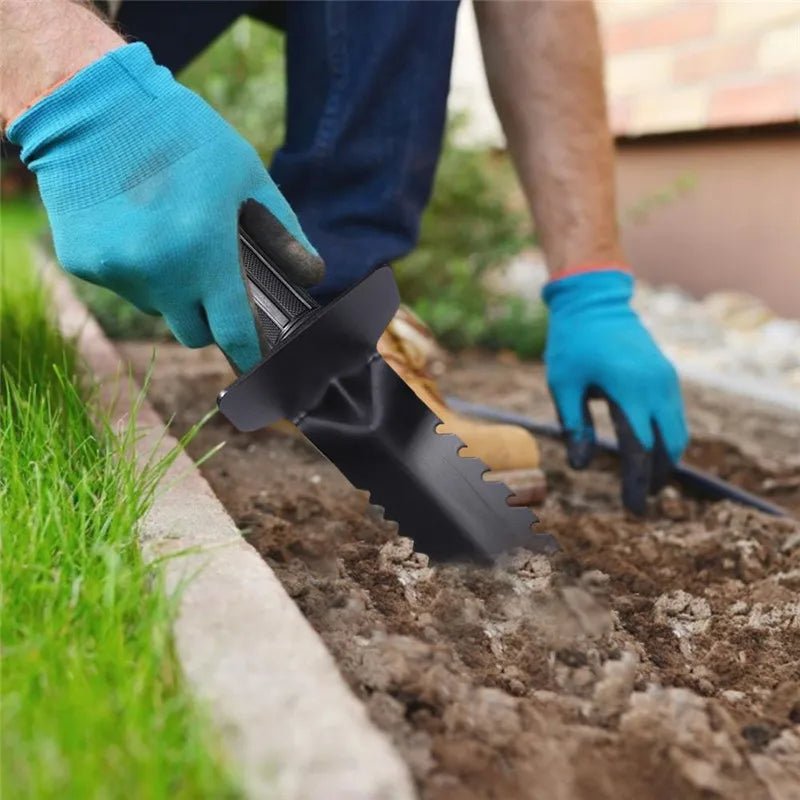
(290, 725)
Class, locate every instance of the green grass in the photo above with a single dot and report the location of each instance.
(92, 701)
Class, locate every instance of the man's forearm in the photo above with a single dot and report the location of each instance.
(45, 42)
(544, 67)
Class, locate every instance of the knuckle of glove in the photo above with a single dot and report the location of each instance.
(150, 259)
(105, 262)
(82, 261)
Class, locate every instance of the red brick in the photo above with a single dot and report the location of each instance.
(769, 100)
(710, 61)
(681, 23)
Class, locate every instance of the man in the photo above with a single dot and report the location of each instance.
(143, 183)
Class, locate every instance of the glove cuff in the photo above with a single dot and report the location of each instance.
(95, 94)
(588, 286)
(110, 127)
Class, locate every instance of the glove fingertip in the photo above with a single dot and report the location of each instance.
(637, 476)
(189, 327)
(241, 351)
(244, 356)
(634, 497)
(279, 234)
(679, 447)
(674, 433)
(571, 403)
(232, 324)
(308, 268)
(580, 451)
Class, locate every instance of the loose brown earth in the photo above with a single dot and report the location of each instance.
(651, 659)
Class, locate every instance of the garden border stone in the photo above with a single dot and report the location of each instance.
(292, 728)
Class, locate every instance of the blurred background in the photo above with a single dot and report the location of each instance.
(704, 102)
(704, 99)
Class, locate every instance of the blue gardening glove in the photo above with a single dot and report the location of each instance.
(598, 347)
(143, 183)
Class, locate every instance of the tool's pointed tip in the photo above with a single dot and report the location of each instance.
(384, 438)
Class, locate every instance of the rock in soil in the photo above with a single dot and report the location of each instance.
(654, 658)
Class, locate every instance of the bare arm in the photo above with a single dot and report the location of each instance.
(544, 67)
(45, 42)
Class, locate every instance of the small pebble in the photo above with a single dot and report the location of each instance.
(733, 696)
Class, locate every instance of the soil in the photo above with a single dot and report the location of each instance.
(655, 658)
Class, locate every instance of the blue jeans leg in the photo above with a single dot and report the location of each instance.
(367, 93)
(366, 107)
(176, 31)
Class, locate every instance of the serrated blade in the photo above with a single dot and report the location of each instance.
(383, 438)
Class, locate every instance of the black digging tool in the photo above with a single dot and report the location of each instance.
(324, 373)
(693, 480)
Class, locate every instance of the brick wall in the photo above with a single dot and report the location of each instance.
(692, 64)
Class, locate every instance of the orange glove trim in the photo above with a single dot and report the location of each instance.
(40, 96)
(579, 269)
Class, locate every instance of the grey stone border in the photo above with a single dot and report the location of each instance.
(290, 725)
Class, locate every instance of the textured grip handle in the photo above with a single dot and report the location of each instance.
(280, 305)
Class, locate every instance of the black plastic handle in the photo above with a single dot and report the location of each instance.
(280, 305)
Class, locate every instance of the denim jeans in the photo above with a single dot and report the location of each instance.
(366, 107)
